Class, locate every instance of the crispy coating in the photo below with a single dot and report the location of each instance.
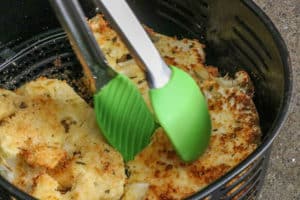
(53, 147)
(236, 131)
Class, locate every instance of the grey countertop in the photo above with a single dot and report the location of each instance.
(283, 176)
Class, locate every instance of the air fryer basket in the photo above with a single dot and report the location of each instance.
(238, 35)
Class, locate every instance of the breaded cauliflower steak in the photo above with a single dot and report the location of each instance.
(51, 145)
(157, 172)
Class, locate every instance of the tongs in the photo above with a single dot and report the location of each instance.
(121, 112)
(179, 105)
(178, 102)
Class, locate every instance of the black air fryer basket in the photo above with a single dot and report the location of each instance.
(238, 35)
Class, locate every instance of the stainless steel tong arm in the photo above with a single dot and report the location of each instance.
(73, 20)
(137, 40)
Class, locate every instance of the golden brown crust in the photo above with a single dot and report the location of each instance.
(236, 131)
(53, 139)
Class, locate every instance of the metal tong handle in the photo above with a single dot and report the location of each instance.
(72, 19)
(133, 34)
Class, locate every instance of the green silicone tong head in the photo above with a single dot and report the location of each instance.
(120, 109)
(179, 105)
